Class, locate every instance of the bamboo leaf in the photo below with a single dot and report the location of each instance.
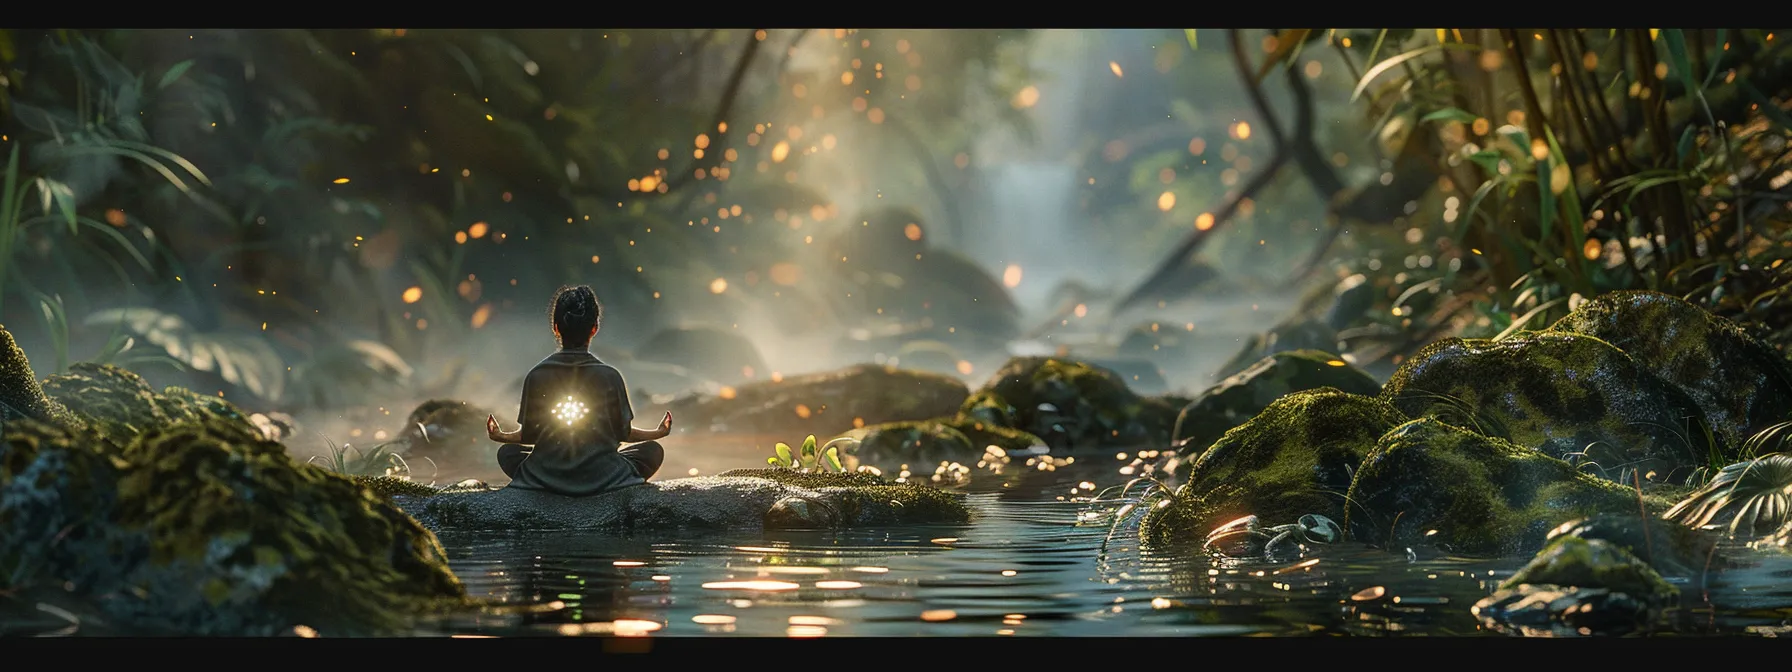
(1395, 61)
(1190, 34)
(1450, 114)
(174, 72)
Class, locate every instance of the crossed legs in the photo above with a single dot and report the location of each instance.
(647, 457)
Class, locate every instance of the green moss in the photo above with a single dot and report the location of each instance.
(1294, 458)
(1595, 563)
(390, 486)
(1094, 404)
(179, 404)
(1563, 394)
(1742, 385)
(1236, 399)
(1480, 495)
(112, 399)
(278, 543)
(983, 434)
(21, 396)
(867, 499)
(52, 479)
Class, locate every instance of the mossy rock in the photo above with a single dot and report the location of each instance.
(1293, 459)
(112, 399)
(1566, 395)
(1575, 587)
(1294, 334)
(742, 499)
(21, 396)
(983, 435)
(913, 443)
(1592, 563)
(1742, 385)
(1094, 406)
(1672, 550)
(243, 540)
(450, 432)
(1428, 482)
(718, 354)
(870, 394)
(1242, 396)
(53, 482)
(179, 405)
(392, 486)
(1140, 375)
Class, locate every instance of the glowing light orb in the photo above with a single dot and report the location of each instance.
(569, 411)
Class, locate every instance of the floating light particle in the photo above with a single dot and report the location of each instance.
(1367, 594)
(413, 295)
(1026, 97)
(702, 141)
(726, 392)
(938, 615)
(1166, 201)
(341, 180)
(780, 151)
(489, 118)
(1009, 572)
(1204, 221)
(718, 285)
(1011, 276)
(1082, 310)
(478, 229)
(482, 315)
(912, 231)
(1241, 130)
(875, 115)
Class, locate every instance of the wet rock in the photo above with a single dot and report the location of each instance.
(1569, 396)
(912, 443)
(207, 528)
(1747, 499)
(1242, 396)
(450, 432)
(120, 404)
(740, 499)
(717, 354)
(1672, 550)
(21, 396)
(797, 512)
(1087, 405)
(1579, 586)
(1301, 333)
(1295, 458)
(1742, 385)
(824, 404)
(1429, 483)
(929, 356)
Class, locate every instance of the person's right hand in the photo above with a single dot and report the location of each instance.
(491, 427)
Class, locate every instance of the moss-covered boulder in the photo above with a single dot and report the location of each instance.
(1079, 404)
(1293, 459)
(1242, 396)
(450, 432)
(735, 500)
(120, 404)
(1299, 333)
(1578, 586)
(1671, 550)
(207, 528)
(1742, 385)
(959, 438)
(1431, 483)
(824, 404)
(1567, 395)
(21, 396)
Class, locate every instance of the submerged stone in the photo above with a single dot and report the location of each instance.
(1569, 396)
(1070, 404)
(1428, 483)
(1238, 398)
(825, 404)
(735, 500)
(1672, 550)
(1742, 385)
(1582, 586)
(1295, 458)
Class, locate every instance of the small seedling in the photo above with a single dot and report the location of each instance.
(809, 457)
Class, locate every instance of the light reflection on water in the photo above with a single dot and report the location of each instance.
(1021, 568)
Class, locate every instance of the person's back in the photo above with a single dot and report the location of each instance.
(575, 415)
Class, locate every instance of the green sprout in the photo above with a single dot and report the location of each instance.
(809, 457)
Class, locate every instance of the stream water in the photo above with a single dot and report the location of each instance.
(1021, 568)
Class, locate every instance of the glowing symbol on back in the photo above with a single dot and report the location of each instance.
(569, 411)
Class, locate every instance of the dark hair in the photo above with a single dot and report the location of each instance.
(575, 312)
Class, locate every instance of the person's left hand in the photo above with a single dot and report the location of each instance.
(491, 428)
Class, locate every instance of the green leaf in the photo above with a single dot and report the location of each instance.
(1450, 114)
(809, 445)
(1487, 159)
(784, 453)
(1676, 40)
(62, 196)
(1190, 34)
(833, 459)
(174, 72)
(1384, 66)
(771, 461)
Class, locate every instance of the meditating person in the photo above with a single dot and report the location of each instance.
(575, 415)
